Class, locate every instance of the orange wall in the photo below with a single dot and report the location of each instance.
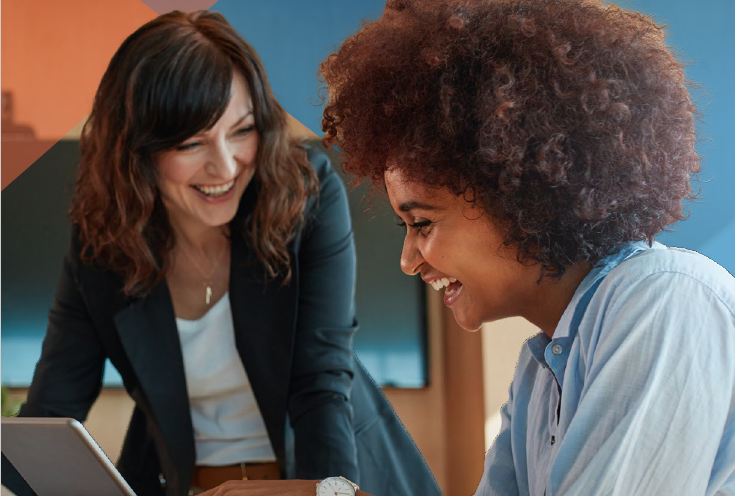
(54, 55)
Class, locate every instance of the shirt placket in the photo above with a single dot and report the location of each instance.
(556, 355)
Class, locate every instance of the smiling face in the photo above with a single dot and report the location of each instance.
(450, 241)
(202, 180)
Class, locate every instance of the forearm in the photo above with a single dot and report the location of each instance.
(269, 488)
(323, 363)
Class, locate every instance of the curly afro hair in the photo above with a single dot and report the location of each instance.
(570, 123)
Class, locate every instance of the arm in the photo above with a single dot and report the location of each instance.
(657, 391)
(322, 370)
(268, 488)
(68, 376)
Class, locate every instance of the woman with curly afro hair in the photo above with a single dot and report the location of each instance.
(534, 149)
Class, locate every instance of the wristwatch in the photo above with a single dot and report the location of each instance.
(336, 486)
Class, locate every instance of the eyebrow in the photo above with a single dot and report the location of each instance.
(239, 121)
(415, 205)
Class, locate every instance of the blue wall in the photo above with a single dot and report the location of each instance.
(293, 36)
(703, 32)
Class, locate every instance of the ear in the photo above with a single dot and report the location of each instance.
(471, 209)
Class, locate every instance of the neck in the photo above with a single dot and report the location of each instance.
(199, 239)
(553, 296)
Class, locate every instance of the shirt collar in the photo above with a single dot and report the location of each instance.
(569, 322)
(553, 353)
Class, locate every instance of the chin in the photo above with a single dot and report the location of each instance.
(468, 324)
(228, 210)
(221, 219)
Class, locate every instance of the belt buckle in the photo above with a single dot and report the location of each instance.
(244, 471)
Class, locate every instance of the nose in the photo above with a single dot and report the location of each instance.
(223, 161)
(411, 258)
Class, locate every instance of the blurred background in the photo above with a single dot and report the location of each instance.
(446, 385)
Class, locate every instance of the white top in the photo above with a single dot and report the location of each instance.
(228, 425)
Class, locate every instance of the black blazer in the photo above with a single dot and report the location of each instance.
(323, 413)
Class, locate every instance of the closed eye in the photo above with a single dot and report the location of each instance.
(244, 130)
(420, 225)
(188, 146)
(416, 225)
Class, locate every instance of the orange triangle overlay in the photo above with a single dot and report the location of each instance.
(53, 57)
(163, 6)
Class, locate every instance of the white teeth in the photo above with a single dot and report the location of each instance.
(438, 284)
(216, 190)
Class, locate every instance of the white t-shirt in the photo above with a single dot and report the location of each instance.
(228, 425)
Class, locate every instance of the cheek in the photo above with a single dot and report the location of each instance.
(431, 252)
(172, 173)
(173, 182)
(440, 251)
(247, 151)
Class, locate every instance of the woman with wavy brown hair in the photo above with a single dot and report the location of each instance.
(212, 262)
(534, 149)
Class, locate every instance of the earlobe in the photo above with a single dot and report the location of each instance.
(472, 212)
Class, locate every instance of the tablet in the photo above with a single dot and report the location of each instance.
(58, 457)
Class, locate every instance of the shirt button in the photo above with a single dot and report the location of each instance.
(556, 349)
(552, 440)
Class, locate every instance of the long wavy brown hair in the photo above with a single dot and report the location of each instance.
(168, 81)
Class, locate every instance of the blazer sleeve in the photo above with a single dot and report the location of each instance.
(68, 376)
(323, 366)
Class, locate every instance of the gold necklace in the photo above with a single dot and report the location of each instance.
(207, 277)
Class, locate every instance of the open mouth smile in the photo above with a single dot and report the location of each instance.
(452, 291)
(215, 191)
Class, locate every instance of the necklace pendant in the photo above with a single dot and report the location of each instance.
(208, 294)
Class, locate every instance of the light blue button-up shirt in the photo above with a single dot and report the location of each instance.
(634, 395)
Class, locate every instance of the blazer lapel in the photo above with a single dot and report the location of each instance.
(147, 329)
(264, 319)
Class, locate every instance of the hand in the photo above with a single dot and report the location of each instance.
(265, 488)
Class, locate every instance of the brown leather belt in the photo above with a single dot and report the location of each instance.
(206, 478)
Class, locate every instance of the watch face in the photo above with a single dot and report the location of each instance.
(334, 486)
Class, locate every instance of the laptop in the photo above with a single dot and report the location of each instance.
(58, 457)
